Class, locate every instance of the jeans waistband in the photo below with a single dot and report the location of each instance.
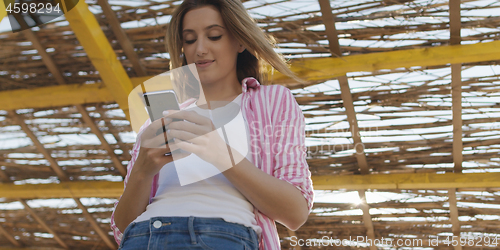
(192, 225)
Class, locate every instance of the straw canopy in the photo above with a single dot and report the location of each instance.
(401, 100)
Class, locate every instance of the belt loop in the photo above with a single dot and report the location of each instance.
(191, 229)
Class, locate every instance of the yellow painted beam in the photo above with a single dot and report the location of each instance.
(327, 68)
(107, 189)
(407, 181)
(53, 96)
(73, 189)
(3, 12)
(63, 95)
(101, 54)
(322, 68)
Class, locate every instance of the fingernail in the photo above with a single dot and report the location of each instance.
(165, 112)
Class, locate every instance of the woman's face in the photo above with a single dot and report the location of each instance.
(208, 43)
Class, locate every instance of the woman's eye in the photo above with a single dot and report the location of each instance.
(190, 41)
(215, 38)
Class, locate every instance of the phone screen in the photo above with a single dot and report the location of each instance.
(159, 101)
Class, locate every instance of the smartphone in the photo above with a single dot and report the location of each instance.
(159, 101)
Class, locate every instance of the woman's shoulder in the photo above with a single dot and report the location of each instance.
(276, 91)
(273, 89)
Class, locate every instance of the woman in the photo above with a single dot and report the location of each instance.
(237, 208)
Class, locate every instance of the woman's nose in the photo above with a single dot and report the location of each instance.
(201, 47)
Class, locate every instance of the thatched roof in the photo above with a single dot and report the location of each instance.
(384, 71)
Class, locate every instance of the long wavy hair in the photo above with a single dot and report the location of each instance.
(259, 46)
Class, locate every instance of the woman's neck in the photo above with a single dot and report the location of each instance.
(218, 95)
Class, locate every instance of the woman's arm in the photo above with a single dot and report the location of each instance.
(287, 196)
(134, 199)
(278, 199)
(117, 231)
(148, 157)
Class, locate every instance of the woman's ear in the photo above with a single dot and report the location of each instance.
(241, 48)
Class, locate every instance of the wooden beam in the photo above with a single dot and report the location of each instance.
(121, 144)
(104, 236)
(308, 69)
(345, 90)
(93, 127)
(73, 189)
(101, 54)
(455, 21)
(3, 12)
(123, 39)
(7, 235)
(46, 59)
(4, 177)
(407, 181)
(108, 189)
(456, 100)
(455, 223)
(367, 219)
(456, 96)
(456, 86)
(50, 64)
(54, 96)
(345, 93)
(39, 146)
(328, 68)
(43, 224)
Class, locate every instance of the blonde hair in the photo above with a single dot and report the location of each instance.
(259, 46)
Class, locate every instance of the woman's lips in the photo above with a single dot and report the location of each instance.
(204, 64)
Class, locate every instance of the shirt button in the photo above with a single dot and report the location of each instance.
(157, 224)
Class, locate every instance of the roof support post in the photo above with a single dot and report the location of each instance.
(331, 32)
(456, 95)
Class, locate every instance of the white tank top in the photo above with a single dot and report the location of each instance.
(211, 197)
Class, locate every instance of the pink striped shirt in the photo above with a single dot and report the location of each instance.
(277, 132)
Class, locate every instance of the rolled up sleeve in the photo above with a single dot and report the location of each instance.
(289, 145)
(135, 152)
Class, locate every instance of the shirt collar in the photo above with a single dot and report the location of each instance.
(249, 82)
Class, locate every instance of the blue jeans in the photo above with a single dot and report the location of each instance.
(188, 233)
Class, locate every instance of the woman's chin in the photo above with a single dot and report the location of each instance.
(206, 80)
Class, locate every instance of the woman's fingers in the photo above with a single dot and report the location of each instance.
(160, 156)
(182, 134)
(188, 115)
(192, 128)
(159, 141)
(152, 129)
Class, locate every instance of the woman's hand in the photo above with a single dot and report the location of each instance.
(153, 149)
(197, 134)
